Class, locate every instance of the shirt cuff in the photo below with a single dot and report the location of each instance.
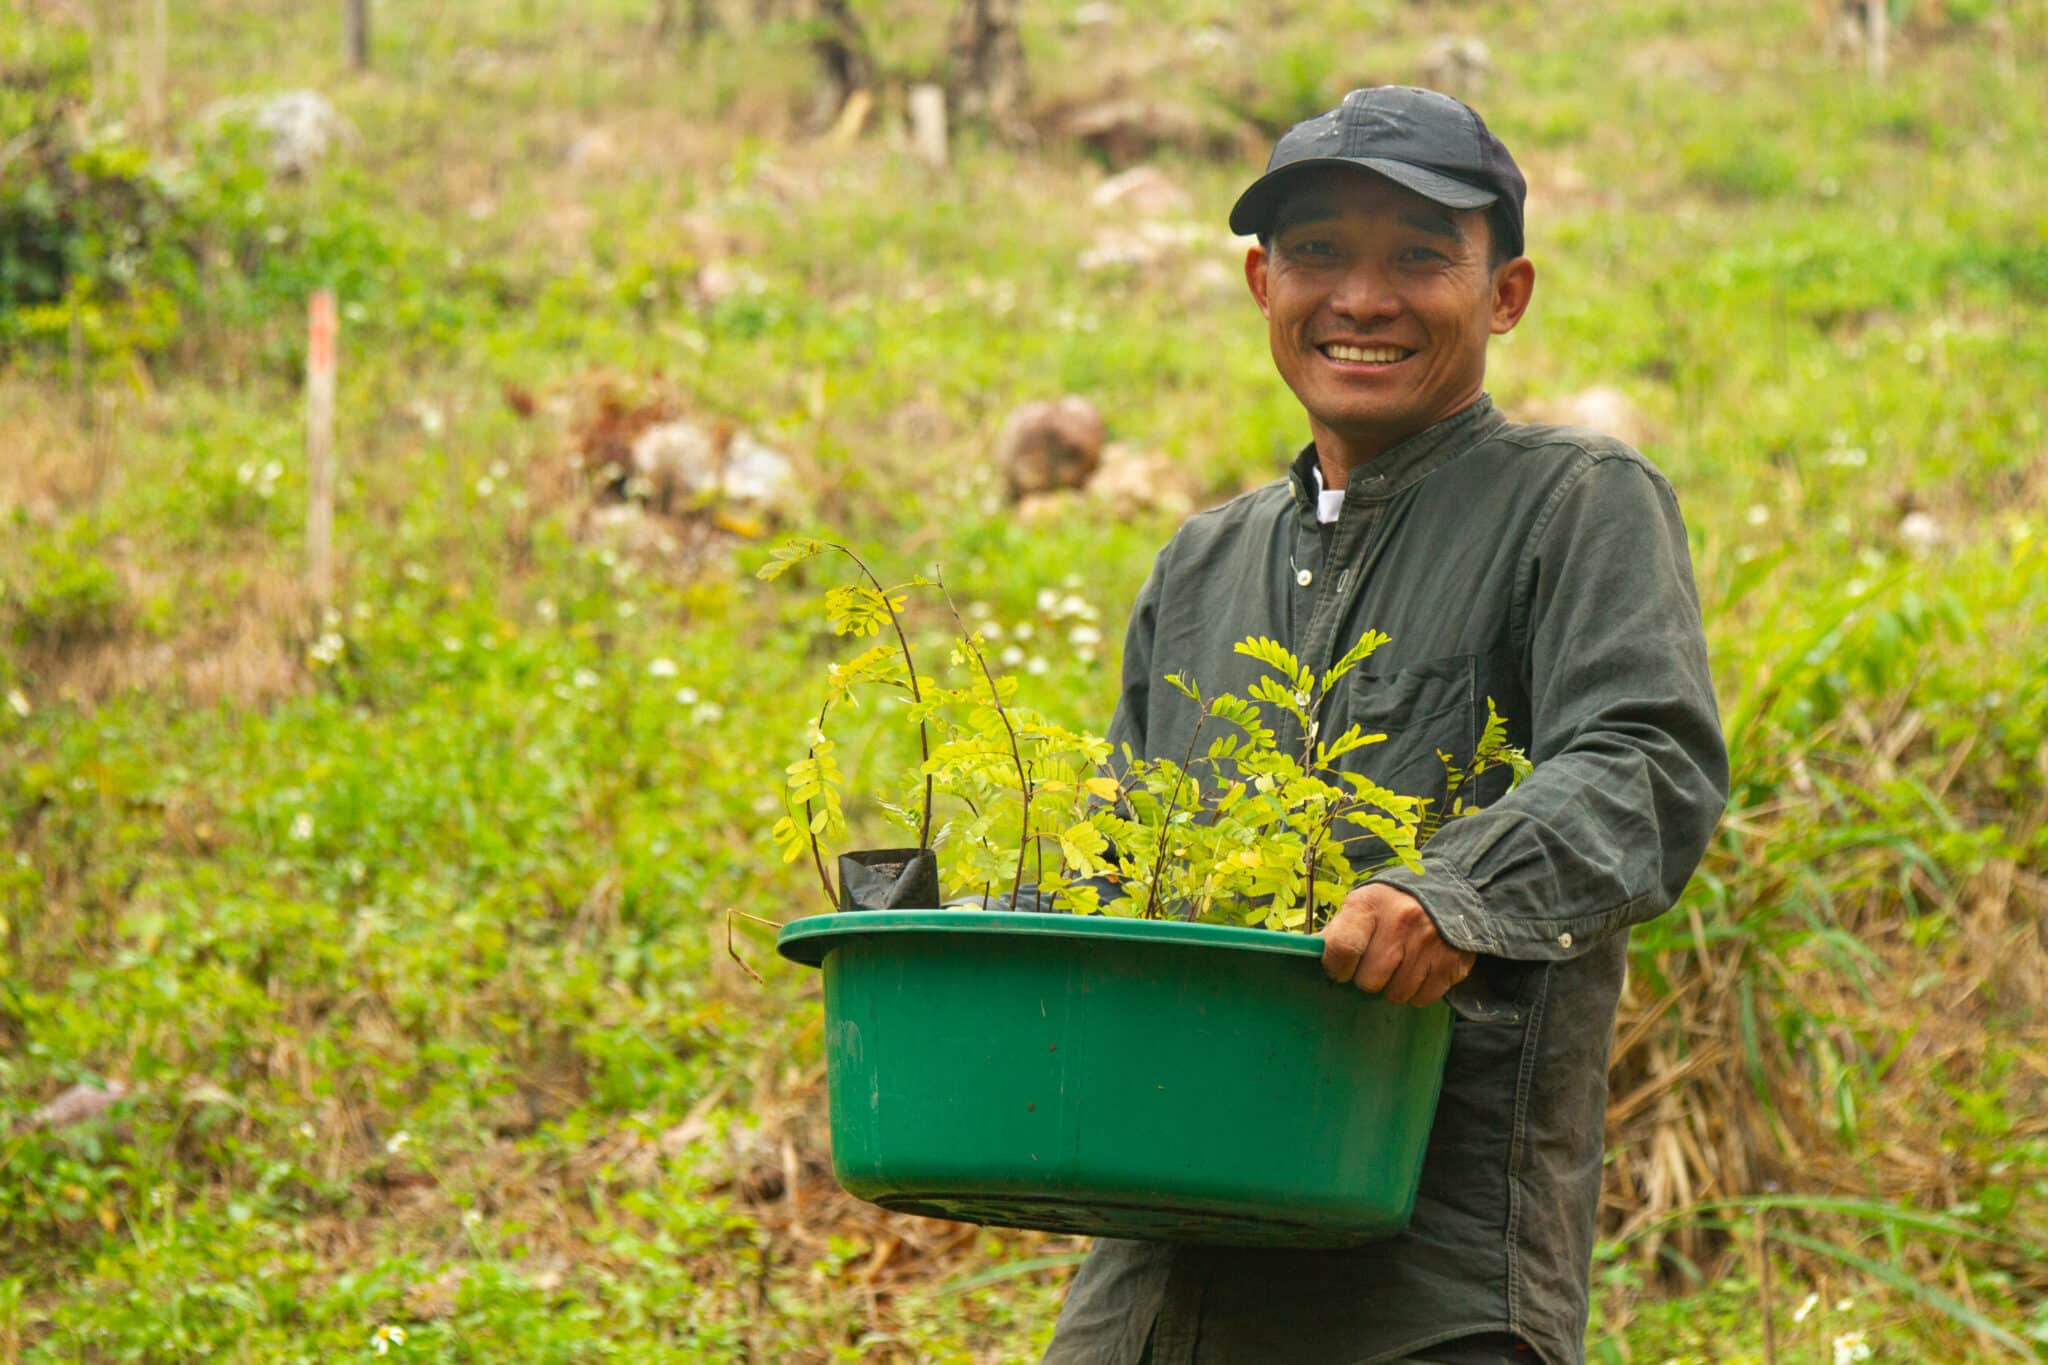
(1463, 921)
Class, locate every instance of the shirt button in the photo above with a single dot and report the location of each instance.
(1304, 578)
(1564, 940)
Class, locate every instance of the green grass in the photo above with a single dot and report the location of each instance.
(412, 954)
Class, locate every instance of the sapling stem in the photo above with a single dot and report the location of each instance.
(817, 854)
(924, 738)
(1166, 824)
(1016, 754)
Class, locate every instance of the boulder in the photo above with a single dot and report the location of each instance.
(1602, 408)
(1456, 66)
(299, 127)
(1133, 482)
(1143, 190)
(1053, 443)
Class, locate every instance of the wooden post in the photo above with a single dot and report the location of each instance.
(1877, 36)
(928, 124)
(320, 329)
(359, 34)
(155, 72)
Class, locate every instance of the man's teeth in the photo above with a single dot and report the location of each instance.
(1368, 355)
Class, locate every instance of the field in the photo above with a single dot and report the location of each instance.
(396, 934)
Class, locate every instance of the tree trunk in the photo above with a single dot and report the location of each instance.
(988, 79)
(359, 34)
(844, 60)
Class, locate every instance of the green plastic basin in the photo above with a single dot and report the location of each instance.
(1117, 1077)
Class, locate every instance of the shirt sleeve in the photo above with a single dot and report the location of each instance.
(1133, 703)
(1631, 769)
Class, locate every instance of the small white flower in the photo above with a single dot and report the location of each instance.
(1758, 514)
(661, 668)
(327, 648)
(1011, 656)
(583, 677)
(306, 1131)
(992, 631)
(302, 827)
(451, 643)
(385, 1337)
(486, 486)
(499, 469)
(1077, 606)
(1844, 1305)
(273, 470)
(1024, 630)
(1856, 587)
(686, 696)
(1084, 636)
(472, 1219)
(628, 610)
(1800, 1313)
(431, 418)
(707, 713)
(545, 609)
(1851, 1348)
(398, 1142)
(1035, 665)
(18, 703)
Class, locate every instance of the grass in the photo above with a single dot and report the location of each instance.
(409, 951)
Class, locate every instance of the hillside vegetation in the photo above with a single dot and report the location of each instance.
(396, 933)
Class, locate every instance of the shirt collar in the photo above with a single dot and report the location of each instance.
(1329, 501)
(1405, 463)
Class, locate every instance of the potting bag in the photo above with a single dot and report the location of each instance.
(889, 879)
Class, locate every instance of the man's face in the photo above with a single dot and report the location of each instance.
(1378, 306)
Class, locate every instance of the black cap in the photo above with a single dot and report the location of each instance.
(1420, 140)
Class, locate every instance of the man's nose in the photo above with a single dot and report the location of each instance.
(1365, 293)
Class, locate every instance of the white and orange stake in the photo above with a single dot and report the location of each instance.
(320, 329)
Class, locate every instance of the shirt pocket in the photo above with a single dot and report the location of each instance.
(1423, 710)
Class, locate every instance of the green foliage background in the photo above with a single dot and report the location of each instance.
(405, 930)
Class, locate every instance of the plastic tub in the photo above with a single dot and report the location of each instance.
(1118, 1077)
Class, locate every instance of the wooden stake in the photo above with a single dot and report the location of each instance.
(155, 69)
(1877, 25)
(320, 330)
(928, 124)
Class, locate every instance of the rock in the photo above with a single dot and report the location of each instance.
(300, 127)
(1141, 245)
(1144, 190)
(1126, 131)
(1456, 66)
(1602, 408)
(81, 1103)
(679, 462)
(1133, 482)
(1049, 444)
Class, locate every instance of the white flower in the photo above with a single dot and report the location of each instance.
(707, 713)
(583, 677)
(451, 643)
(1024, 631)
(1758, 514)
(627, 611)
(686, 696)
(302, 827)
(545, 609)
(385, 1337)
(1035, 665)
(1047, 599)
(18, 703)
(1799, 1314)
(1856, 587)
(1850, 1348)
(499, 469)
(1074, 605)
(1844, 1305)
(326, 649)
(398, 1142)
(1084, 636)
(661, 668)
(1011, 656)
(992, 631)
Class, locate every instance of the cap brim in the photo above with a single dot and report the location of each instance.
(1253, 211)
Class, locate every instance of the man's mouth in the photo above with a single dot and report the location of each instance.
(1379, 354)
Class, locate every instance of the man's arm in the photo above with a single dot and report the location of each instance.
(1631, 767)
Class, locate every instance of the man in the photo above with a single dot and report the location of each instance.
(1543, 568)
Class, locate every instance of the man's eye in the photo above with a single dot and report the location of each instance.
(1423, 254)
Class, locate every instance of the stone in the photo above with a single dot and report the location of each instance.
(1050, 444)
(1602, 408)
(1133, 482)
(300, 127)
(1145, 190)
(80, 1103)
(1456, 66)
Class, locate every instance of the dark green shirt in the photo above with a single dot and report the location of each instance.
(1545, 568)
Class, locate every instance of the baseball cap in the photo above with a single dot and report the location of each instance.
(1419, 139)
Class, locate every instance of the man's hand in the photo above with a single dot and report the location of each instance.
(1382, 940)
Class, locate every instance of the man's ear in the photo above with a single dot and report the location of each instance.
(1255, 276)
(1513, 285)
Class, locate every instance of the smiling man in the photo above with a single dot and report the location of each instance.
(1542, 569)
